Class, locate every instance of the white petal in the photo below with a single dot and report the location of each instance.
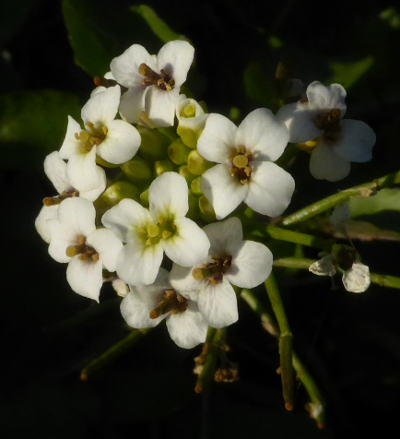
(222, 190)
(125, 68)
(41, 222)
(251, 265)
(298, 119)
(189, 246)
(176, 57)
(357, 279)
(263, 134)
(82, 171)
(217, 141)
(79, 214)
(70, 144)
(187, 329)
(56, 170)
(326, 165)
(218, 304)
(61, 236)
(99, 188)
(182, 281)
(85, 278)
(136, 312)
(120, 287)
(107, 245)
(102, 107)
(160, 106)
(168, 193)
(323, 267)
(139, 265)
(355, 142)
(326, 98)
(123, 217)
(133, 103)
(270, 189)
(121, 143)
(225, 237)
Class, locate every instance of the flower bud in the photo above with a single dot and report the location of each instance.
(161, 166)
(178, 152)
(197, 165)
(195, 186)
(206, 210)
(137, 170)
(184, 171)
(191, 120)
(154, 144)
(118, 191)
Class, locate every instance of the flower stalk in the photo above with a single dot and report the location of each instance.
(111, 354)
(363, 190)
(285, 341)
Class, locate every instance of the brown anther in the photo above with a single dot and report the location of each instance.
(170, 302)
(50, 201)
(213, 271)
(226, 375)
(163, 80)
(329, 123)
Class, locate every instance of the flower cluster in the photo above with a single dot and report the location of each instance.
(173, 170)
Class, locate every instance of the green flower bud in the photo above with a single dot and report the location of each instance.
(114, 194)
(195, 186)
(194, 211)
(206, 210)
(144, 198)
(178, 152)
(137, 170)
(197, 165)
(184, 171)
(189, 137)
(161, 166)
(154, 144)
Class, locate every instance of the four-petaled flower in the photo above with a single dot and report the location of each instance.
(56, 170)
(230, 260)
(75, 240)
(246, 171)
(115, 141)
(147, 306)
(319, 118)
(153, 82)
(148, 233)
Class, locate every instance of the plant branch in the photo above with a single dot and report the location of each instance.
(363, 190)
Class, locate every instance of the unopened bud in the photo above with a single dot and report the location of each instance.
(178, 152)
(161, 166)
(118, 191)
(137, 170)
(206, 210)
(154, 144)
(197, 165)
(195, 186)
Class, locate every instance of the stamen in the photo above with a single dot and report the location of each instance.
(213, 271)
(171, 302)
(241, 168)
(162, 80)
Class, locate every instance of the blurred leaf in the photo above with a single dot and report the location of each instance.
(99, 32)
(12, 19)
(33, 123)
(259, 85)
(385, 199)
(391, 16)
(348, 73)
(156, 24)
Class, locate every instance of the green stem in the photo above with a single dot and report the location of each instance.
(269, 324)
(112, 353)
(384, 280)
(282, 234)
(285, 341)
(215, 338)
(320, 206)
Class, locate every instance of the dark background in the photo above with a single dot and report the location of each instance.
(350, 342)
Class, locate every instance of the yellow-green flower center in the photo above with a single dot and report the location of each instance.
(189, 110)
(241, 165)
(151, 233)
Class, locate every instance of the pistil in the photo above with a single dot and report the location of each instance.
(241, 168)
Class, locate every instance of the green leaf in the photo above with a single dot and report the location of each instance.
(156, 24)
(32, 123)
(258, 85)
(98, 32)
(384, 200)
(348, 73)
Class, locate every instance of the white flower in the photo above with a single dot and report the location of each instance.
(148, 233)
(230, 260)
(339, 141)
(75, 240)
(153, 82)
(357, 279)
(323, 267)
(115, 141)
(56, 170)
(246, 171)
(147, 306)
